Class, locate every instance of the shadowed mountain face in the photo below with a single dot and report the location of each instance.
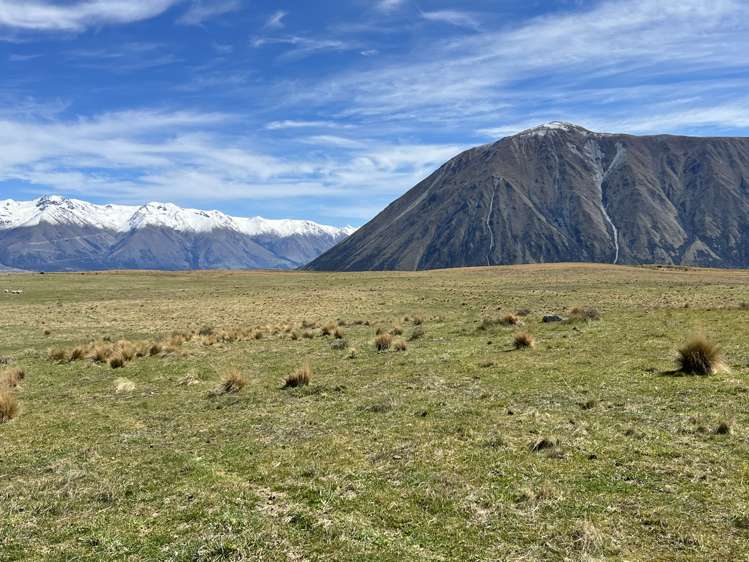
(560, 193)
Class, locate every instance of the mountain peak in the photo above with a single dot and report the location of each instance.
(554, 126)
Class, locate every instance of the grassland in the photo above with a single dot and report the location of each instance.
(583, 447)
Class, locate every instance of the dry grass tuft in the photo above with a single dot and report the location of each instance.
(116, 360)
(56, 354)
(231, 383)
(383, 342)
(339, 334)
(11, 378)
(8, 405)
(400, 345)
(510, 320)
(699, 356)
(724, 428)
(584, 314)
(300, 377)
(524, 340)
(329, 329)
(396, 330)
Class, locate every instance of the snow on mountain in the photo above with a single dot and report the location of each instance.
(58, 210)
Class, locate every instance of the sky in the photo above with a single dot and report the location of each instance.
(328, 110)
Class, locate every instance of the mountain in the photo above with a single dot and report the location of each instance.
(561, 193)
(53, 233)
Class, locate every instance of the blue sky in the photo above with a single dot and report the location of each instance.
(329, 110)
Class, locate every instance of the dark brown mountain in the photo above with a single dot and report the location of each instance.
(561, 193)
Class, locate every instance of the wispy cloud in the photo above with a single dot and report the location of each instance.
(453, 17)
(275, 21)
(202, 10)
(389, 5)
(302, 47)
(293, 124)
(184, 155)
(47, 16)
(489, 74)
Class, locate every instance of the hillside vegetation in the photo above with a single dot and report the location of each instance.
(375, 416)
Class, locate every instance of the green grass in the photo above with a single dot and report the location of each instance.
(419, 455)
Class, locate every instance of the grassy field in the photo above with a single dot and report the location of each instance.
(459, 448)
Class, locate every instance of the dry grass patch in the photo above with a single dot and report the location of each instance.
(231, 383)
(338, 345)
(57, 354)
(524, 340)
(123, 385)
(510, 320)
(383, 342)
(116, 360)
(11, 378)
(699, 356)
(300, 377)
(339, 334)
(584, 314)
(8, 405)
(396, 330)
(400, 345)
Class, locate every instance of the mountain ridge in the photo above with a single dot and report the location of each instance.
(561, 193)
(55, 233)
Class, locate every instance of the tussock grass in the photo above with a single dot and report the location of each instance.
(232, 382)
(300, 377)
(116, 360)
(510, 320)
(396, 330)
(699, 356)
(400, 345)
(383, 342)
(524, 340)
(11, 378)
(8, 405)
(57, 354)
(338, 345)
(339, 334)
(584, 314)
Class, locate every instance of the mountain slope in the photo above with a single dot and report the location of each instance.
(59, 234)
(559, 192)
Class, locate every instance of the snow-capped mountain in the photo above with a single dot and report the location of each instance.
(55, 233)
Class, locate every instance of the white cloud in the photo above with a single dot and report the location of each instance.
(46, 16)
(146, 155)
(452, 17)
(481, 76)
(303, 46)
(389, 5)
(292, 124)
(275, 21)
(202, 10)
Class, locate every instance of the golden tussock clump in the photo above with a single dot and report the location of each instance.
(8, 405)
(154, 349)
(10, 378)
(400, 345)
(116, 360)
(510, 320)
(339, 334)
(699, 356)
(584, 314)
(56, 354)
(294, 335)
(308, 335)
(300, 377)
(232, 383)
(329, 329)
(383, 342)
(396, 330)
(524, 340)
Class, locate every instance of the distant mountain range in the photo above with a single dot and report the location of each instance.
(53, 233)
(561, 193)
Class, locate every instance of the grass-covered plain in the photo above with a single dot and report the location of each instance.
(460, 447)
